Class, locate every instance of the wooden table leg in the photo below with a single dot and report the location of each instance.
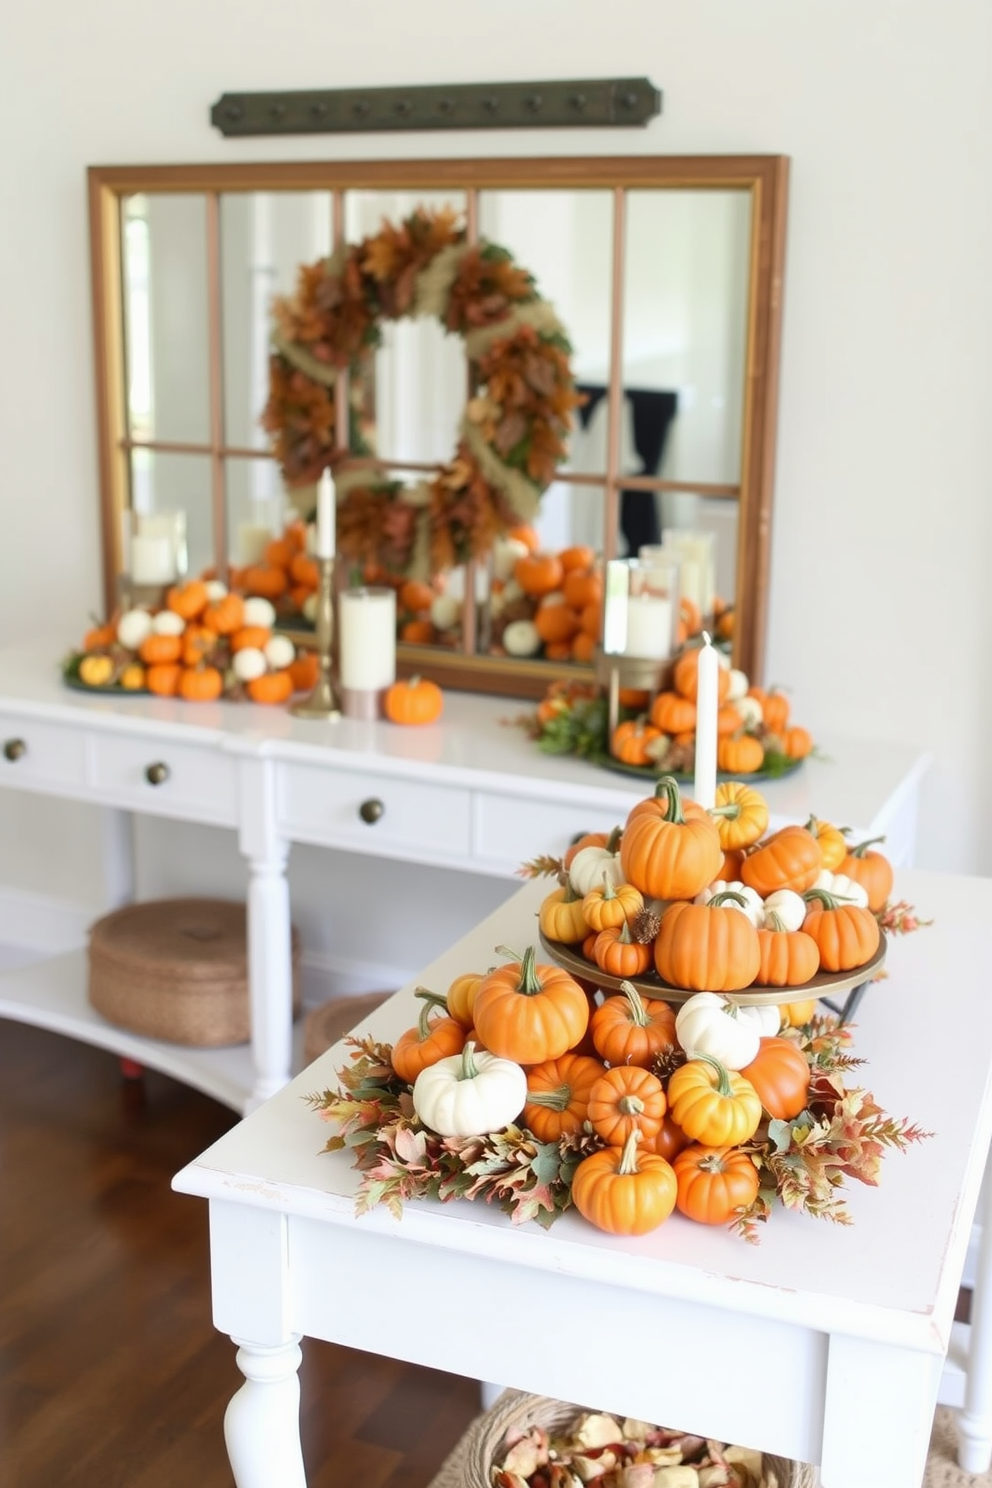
(262, 1421)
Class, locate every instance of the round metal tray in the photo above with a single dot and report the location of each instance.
(651, 776)
(824, 984)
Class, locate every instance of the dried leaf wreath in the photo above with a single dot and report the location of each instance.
(512, 433)
(802, 1163)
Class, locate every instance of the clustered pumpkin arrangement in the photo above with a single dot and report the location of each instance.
(657, 734)
(533, 1087)
(203, 643)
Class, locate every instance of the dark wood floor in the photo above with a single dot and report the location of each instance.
(111, 1373)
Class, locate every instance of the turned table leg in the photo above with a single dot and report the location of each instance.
(270, 972)
(262, 1421)
(975, 1420)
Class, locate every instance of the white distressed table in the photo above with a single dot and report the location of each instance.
(468, 793)
(822, 1343)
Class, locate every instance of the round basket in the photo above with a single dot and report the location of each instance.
(471, 1463)
(176, 970)
(324, 1025)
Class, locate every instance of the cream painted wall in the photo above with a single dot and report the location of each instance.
(882, 525)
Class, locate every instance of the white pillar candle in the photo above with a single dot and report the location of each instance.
(617, 589)
(367, 639)
(325, 516)
(153, 560)
(649, 627)
(707, 704)
(253, 539)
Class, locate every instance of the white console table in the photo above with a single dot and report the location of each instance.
(823, 1343)
(471, 793)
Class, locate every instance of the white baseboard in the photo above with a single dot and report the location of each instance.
(44, 924)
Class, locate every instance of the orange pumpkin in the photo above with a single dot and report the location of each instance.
(558, 1095)
(578, 558)
(709, 947)
(538, 574)
(304, 671)
(266, 582)
(685, 676)
(788, 957)
(460, 997)
(189, 599)
(624, 1191)
(630, 741)
(254, 636)
(304, 572)
(415, 701)
(158, 648)
(225, 615)
(846, 934)
(628, 1029)
(618, 954)
(418, 632)
(163, 678)
(415, 596)
(200, 684)
(529, 1012)
(673, 714)
(672, 856)
(626, 1099)
(556, 621)
(739, 754)
(428, 1040)
(741, 814)
(582, 588)
(796, 742)
(714, 1183)
(198, 642)
(780, 1074)
(271, 687)
(872, 870)
(789, 859)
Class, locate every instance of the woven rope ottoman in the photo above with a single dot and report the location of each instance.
(176, 970)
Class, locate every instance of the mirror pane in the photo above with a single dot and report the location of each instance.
(565, 240)
(685, 330)
(256, 508)
(165, 316)
(265, 237)
(414, 391)
(171, 509)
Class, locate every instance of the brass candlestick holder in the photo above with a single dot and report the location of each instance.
(323, 701)
(616, 671)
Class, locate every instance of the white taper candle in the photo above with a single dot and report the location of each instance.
(707, 704)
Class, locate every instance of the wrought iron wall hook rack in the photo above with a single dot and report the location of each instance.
(584, 103)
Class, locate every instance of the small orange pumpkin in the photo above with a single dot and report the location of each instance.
(189, 599)
(200, 684)
(158, 648)
(417, 700)
(271, 687)
(428, 1040)
(872, 870)
(624, 1191)
(739, 754)
(625, 1099)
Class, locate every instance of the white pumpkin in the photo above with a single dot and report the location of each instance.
(133, 627)
(469, 1094)
(708, 1023)
(753, 906)
(848, 890)
(446, 611)
(506, 551)
(592, 867)
(738, 685)
(167, 622)
(790, 907)
(249, 663)
(520, 638)
(259, 611)
(279, 652)
(767, 1019)
(216, 590)
(750, 711)
(308, 609)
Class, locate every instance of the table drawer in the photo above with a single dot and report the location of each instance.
(510, 831)
(41, 756)
(375, 814)
(164, 778)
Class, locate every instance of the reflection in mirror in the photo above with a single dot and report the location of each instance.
(172, 523)
(165, 317)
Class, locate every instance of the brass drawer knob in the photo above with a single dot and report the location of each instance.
(14, 749)
(370, 811)
(158, 773)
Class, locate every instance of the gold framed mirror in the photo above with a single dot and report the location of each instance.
(666, 272)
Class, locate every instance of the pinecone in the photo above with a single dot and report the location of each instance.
(667, 1061)
(644, 926)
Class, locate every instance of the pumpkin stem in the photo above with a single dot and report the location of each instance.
(469, 1069)
(828, 900)
(431, 1000)
(564, 882)
(638, 1013)
(774, 921)
(723, 1085)
(613, 841)
(668, 787)
(731, 810)
(555, 1100)
(630, 1105)
(609, 892)
(723, 896)
(628, 1157)
(862, 847)
(530, 983)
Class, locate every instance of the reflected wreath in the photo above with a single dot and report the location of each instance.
(513, 430)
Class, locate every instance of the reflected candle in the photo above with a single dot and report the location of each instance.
(324, 547)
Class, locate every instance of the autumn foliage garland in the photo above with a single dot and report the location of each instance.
(512, 434)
